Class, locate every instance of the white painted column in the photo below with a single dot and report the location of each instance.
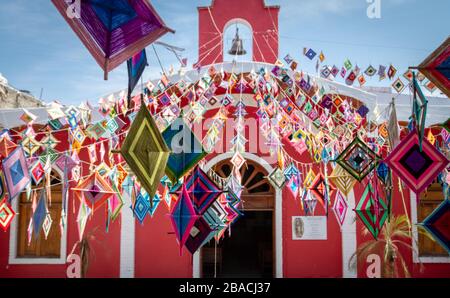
(196, 264)
(127, 240)
(279, 234)
(349, 237)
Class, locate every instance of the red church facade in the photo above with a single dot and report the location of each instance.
(129, 249)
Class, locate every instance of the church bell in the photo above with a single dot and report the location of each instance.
(237, 49)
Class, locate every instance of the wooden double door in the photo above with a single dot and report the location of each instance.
(247, 249)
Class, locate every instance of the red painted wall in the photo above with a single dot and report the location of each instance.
(263, 20)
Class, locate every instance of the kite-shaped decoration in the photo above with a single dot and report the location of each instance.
(145, 151)
(6, 146)
(309, 178)
(309, 203)
(202, 190)
(183, 217)
(95, 190)
(46, 225)
(277, 178)
(237, 161)
(83, 214)
(199, 233)
(30, 145)
(321, 190)
(342, 180)
(115, 204)
(437, 224)
(358, 159)
(16, 172)
(372, 211)
(291, 171)
(155, 203)
(417, 168)
(136, 66)
(187, 151)
(437, 67)
(113, 31)
(40, 213)
(64, 163)
(6, 215)
(49, 141)
(37, 172)
(340, 208)
(383, 172)
(420, 107)
(141, 207)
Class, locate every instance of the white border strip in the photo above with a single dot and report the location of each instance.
(127, 240)
(349, 238)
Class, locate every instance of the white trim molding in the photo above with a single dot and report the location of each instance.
(415, 233)
(127, 240)
(349, 238)
(13, 231)
(196, 264)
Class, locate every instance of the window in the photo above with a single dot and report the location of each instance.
(40, 250)
(429, 201)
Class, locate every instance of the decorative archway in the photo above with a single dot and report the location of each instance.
(278, 247)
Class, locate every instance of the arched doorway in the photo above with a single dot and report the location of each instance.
(249, 252)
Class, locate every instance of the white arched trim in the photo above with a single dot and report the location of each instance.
(278, 213)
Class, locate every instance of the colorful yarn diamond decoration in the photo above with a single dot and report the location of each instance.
(30, 145)
(420, 107)
(141, 207)
(291, 171)
(358, 159)
(321, 190)
(372, 211)
(202, 190)
(342, 180)
(113, 31)
(238, 160)
(37, 172)
(417, 168)
(437, 224)
(7, 214)
(309, 179)
(187, 151)
(40, 213)
(183, 217)
(309, 203)
(15, 169)
(6, 146)
(154, 205)
(398, 85)
(340, 208)
(383, 172)
(94, 190)
(64, 163)
(46, 225)
(83, 214)
(277, 178)
(145, 151)
(199, 233)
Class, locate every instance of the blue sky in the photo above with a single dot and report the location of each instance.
(39, 50)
